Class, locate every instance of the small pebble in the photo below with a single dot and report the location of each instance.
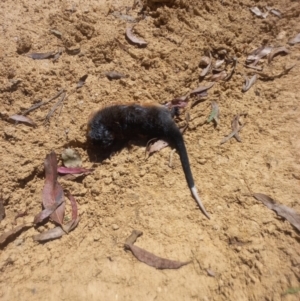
(115, 226)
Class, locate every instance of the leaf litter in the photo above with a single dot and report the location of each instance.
(276, 51)
(284, 211)
(235, 125)
(149, 258)
(53, 201)
(295, 40)
(134, 39)
(52, 194)
(74, 170)
(15, 231)
(215, 113)
(249, 83)
(21, 118)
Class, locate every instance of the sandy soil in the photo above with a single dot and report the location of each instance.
(254, 254)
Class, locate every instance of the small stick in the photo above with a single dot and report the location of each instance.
(171, 157)
(37, 105)
(58, 103)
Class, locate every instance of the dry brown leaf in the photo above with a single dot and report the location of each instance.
(207, 68)
(218, 76)
(50, 234)
(201, 89)
(74, 170)
(81, 81)
(41, 56)
(149, 258)
(258, 54)
(235, 130)
(52, 194)
(204, 61)
(286, 212)
(22, 118)
(249, 82)
(111, 75)
(132, 38)
(276, 51)
(12, 232)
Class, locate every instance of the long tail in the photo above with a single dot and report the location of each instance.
(177, 139)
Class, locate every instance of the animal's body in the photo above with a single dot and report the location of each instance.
(123, 122)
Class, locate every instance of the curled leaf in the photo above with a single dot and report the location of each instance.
(22, 118)
(114, 75)
(204, 61)
(134, 39)
(276, 51)
(218, 76)
(4, 236)
(295, 40)
(286, 212)
(156, 146)
(73, 170)
(46, 212)
(71, 158)
(207, 68)
(65, 228)
(218, 64)
(249, 82)
(81, 81)
(234, 61)
(41, 56)
(201, 89)
(149, 258)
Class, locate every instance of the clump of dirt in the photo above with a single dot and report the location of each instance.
(252, 253)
